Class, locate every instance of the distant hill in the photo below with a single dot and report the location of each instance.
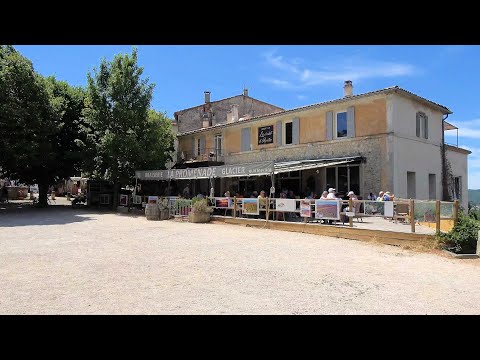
(474, 196)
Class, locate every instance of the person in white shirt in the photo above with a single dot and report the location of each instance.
(324, 195)
(331, 194)
(351, 195)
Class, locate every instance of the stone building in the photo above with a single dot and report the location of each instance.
(222, 111)
(388, 139)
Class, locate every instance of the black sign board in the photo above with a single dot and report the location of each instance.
(265, 135)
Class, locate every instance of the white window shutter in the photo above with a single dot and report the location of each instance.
(279, 133)
(296, 131)
(425, 132)
(351, 122)
(246, 139)
(329, 125)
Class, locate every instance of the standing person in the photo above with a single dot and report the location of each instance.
(262, 203)
(186, 192)
(371, 197)
(280, 215)
(229, 201)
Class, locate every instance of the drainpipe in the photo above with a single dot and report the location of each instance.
(445, 195)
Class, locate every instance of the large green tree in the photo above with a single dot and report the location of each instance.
(39, 119)
(123, 133)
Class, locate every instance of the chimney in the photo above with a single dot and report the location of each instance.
(245, 92)
(234, 113)
(207, 97)
(348, 88)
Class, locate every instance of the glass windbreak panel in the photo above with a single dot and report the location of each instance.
(425, 211)
(446, 209)
(341, 124)
(355, 179)
(331, 178)
(342, 181)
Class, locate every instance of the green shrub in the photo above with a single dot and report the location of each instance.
(181, 203)
(201, 206)
(195, 199)
(463, 237)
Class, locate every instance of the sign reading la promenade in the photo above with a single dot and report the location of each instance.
(207, 172)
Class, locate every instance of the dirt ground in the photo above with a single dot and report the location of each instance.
(75, 261)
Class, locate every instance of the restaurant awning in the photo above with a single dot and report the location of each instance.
(241, 170)
(288, 166)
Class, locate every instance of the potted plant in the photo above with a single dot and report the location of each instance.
(162, 205)
(200, 212)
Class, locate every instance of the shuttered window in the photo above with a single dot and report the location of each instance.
(291, 129)
(421, 128)
(341, 124)
(288, 133)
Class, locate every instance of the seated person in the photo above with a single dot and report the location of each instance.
(380, 196)
(331, 194)
(351, 195)
(386, 196)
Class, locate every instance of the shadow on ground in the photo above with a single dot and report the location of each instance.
(12, 215)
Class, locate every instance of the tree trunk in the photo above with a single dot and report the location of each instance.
(42, 194)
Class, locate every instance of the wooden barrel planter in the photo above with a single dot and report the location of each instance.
(152, 212)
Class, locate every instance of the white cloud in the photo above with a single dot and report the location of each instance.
(301, 97)
(291, 74)
(284, 84)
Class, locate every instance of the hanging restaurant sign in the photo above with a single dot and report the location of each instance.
(265, 135)
(263, 168)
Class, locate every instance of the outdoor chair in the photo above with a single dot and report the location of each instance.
(401, 213)
(356, 210)
(358, 215)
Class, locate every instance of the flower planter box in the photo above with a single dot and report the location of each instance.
(199, 217)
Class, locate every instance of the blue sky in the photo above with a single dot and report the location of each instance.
(292, 76)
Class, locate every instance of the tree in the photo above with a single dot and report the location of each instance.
(122, 133)
(37, 121)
